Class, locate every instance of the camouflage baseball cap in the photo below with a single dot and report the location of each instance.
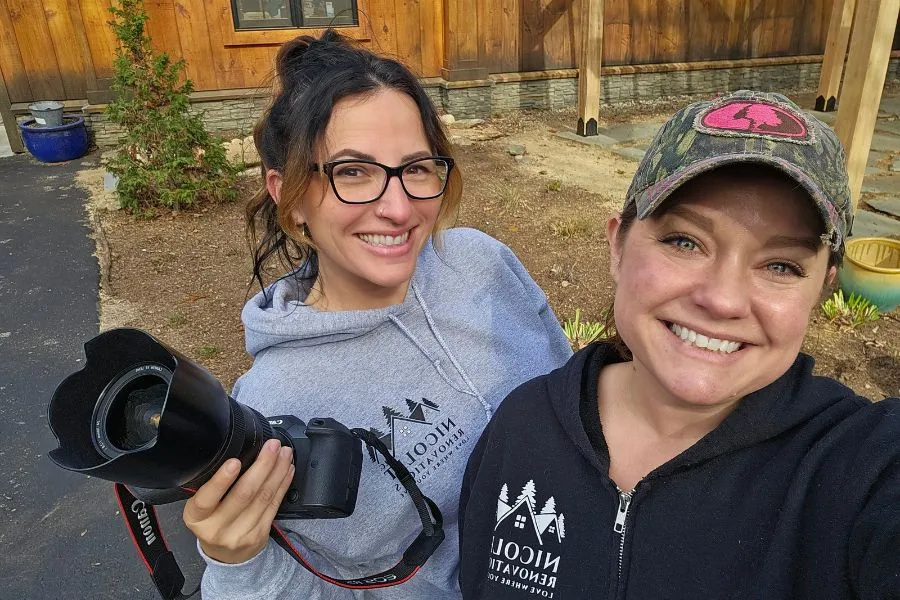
(748, 127)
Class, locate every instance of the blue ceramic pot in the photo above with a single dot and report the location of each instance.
(56, 144)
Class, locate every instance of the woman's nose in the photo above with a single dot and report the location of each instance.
(394, 205)
(724, 292)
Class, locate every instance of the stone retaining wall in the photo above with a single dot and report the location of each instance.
(542, 90)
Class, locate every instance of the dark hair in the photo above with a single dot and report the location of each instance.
(312, 75)
(629, 216)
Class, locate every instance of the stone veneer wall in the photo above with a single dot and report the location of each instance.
(542, 90)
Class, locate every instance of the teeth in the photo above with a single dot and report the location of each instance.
(384, 240)
(701, 341)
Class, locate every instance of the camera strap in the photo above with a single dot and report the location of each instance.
(146, 534)
(416, 554)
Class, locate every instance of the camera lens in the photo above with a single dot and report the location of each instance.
(133, 419)
(127, 415)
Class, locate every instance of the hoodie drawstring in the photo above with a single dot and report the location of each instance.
(473, 390)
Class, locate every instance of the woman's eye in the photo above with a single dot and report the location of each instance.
(682, 243)
(784, 269)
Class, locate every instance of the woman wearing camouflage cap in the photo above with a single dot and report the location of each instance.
(697, 456)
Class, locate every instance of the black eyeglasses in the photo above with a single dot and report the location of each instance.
(356, 181)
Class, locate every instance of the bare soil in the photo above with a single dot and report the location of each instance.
(185, 276)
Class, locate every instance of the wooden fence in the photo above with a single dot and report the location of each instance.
(61, 49)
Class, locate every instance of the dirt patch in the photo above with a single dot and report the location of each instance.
(184, 276)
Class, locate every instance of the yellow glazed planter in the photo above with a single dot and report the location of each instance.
(871, 269)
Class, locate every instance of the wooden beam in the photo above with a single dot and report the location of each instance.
(870, 50)
(463, 42)
(9, 120)
(835, 53)
(589, 67)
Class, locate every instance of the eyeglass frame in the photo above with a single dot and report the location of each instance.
(327, 168)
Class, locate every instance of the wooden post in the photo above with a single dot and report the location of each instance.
(463, 42)
(9, 121)
(835, 53)
(870, 50)
(589, 67)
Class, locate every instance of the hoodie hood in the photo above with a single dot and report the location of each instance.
(760, 416)
(279, 317)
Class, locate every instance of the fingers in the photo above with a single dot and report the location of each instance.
(233, 524)
(260, 494)
(210, 494)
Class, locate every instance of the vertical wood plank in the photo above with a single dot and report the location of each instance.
(835, 51)
(163, 28)
(14, 75)
(870, 50)
(9, 121)
(409, 43)
(96, 17)
(66, 47)
(84, 48)
(195, 43)
(432, 33)
(644, 30)
(38, 55)
(463, 42)
(531, 36)
(589, 89)
(616, 32)
(384, 26)
(669, 46)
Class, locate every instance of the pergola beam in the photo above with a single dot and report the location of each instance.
(835, 53)
(867, 65)
(589, 67)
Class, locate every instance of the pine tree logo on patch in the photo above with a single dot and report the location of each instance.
(400, 426)
(527, 543)
(545, 524)
(423, 439)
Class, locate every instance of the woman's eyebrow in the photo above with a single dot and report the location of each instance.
(692, 216)
(351, 153)
(811, 243)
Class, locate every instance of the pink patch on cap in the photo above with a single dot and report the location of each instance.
(755, 117)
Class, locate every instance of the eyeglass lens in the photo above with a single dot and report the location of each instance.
(364, 182)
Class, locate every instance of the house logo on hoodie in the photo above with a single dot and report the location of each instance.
(525, 547)
(423, 439)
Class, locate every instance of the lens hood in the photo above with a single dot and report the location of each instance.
(192, 428)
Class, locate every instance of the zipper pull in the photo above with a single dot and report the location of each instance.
(624, 503)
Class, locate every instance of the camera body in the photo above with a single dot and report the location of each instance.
(327, 464)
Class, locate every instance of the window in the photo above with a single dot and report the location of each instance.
(273, 14)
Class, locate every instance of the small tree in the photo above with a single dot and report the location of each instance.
(167, 159)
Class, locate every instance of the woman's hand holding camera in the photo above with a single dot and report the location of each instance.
(233, 525)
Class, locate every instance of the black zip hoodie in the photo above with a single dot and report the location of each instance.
(795, 495)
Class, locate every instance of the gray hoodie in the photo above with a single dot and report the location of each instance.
(425, 375)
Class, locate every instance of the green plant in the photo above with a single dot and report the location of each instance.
(581, 333)
(176, 319)
(852, 312)
(554, 186)
(570, 227)
(167, 158)
(208, 351)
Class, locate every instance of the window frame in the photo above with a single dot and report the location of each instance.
(226, 19)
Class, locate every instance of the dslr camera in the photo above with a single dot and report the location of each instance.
(141, 414)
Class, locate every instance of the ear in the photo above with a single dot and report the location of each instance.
(613, 227)
(830, 276)
(273, 184)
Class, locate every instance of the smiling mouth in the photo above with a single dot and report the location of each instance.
(698, 340)
(384, 241)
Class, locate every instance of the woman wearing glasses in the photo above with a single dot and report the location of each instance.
(386, 321)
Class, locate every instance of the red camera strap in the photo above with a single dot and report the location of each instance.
(146, 534)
